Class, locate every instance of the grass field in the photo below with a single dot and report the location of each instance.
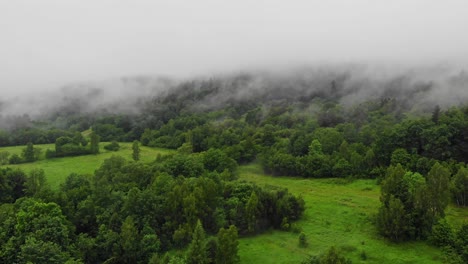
(57, 169)
(337, 214)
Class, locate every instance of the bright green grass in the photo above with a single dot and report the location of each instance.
(337, 214)
(57, 169)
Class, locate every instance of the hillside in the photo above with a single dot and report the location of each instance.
(310, 165)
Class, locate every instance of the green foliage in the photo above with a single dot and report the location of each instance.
(411, 204)
(150, 244)
(118, 209)
(332, 256)
(42, 252)
(113, 146)
(108, 132)
(251, 211)
(197, 253)
(68, 146)
(50, 154)
(28, 153)
(136, 150)
(185, 165)
(315, 147)
(129, 241)
(12, 185)
(227, 246)
(392, 220)
(303, 240)
(94, 143)
(438, 180)
(442, 234)
(15, 159)
(400, 156)
(217, 160)
(36, 184)
(460, 187)
(4, 157)
(40, 232)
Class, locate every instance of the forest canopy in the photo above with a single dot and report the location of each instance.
(129, 211)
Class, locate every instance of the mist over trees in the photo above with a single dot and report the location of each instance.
(417, 89)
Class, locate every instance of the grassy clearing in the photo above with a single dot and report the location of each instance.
(56, 170)
(337, 214)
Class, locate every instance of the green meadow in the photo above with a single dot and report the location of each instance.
(338, 213)
(57, 169)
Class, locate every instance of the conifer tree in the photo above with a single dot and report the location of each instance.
(197, 249)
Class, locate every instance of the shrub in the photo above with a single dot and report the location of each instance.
(303, 240)
(442, 234)
(15, 159)
(4, 157)
(50, 154)
(113, 146)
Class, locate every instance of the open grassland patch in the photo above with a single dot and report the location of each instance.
(57, 169)
(339, 215)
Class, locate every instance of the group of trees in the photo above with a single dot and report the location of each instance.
(413, 207)
(24, 135)
(28, 154)
(74, 146)
(221, 249)
(412, 203)
(131, 212)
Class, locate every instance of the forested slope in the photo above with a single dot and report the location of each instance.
(308, 124)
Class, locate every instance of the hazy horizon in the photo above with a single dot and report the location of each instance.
(49, 44)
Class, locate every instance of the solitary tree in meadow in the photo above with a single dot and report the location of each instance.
(28, 153)
(136, 150)
(94, 143)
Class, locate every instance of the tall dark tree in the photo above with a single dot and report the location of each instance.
(28, 153)
(136, 150)
(36, 184)
(197, 250)
(460, 187)
(251, 211)
(94, 143)
(129, 240)
(392, 220)
(438, 180)
(228, 246)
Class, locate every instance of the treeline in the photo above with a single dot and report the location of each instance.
(23, 136)
(64, 146)
(130, 212)
(108, 128)
(280, 123)
(364, 138)
(295, 144)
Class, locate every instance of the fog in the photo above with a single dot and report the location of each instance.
(52, 48)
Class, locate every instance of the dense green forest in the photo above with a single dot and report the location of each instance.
(190, 207)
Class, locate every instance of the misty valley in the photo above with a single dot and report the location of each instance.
(340, 164)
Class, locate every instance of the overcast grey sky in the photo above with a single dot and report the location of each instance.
(45, 44)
